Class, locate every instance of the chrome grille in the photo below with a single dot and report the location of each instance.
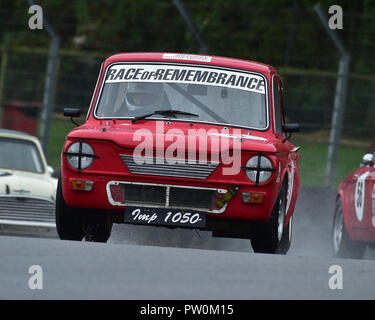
(27, 209)
(183, 170)
(121, 193)
(144, 194)
(168, 196)
(204, 199)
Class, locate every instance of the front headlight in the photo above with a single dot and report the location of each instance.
(80, 155)
(259, 169)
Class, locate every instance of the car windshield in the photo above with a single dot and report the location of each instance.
(215, 95)
(20, 155)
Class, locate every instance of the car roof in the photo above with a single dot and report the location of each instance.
(192, 59)
(13, 132)
(7, 133)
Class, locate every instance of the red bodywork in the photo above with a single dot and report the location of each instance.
(357, 193)
(112, 138)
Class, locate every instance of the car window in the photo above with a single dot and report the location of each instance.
(277, 105)
(20, 155)
(239, 100)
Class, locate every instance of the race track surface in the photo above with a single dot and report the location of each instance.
(156, 263)
(73, 270)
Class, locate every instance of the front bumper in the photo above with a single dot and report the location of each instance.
(161, 193)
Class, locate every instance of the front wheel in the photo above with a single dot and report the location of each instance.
(343, 246)
(273, 237)
(69, 224)
(97, 227)
(78, 223)
(286, 238)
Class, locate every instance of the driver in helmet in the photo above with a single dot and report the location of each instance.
(144, 97)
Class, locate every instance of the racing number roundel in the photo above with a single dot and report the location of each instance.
(360, 195)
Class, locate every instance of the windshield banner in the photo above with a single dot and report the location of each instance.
(184, 74)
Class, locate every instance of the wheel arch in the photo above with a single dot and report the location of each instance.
(287, 178)
(340, 196)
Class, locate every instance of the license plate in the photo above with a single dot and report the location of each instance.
(167, 217)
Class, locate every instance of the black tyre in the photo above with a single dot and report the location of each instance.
(68, 220)
(97, 226)
(272, 237)
(343, 246)
(286, 239)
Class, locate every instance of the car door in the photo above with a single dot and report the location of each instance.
(369, 206)
(291, 153)
(360, 190)
(278, 106)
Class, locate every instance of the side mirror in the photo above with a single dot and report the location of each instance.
(50, 170)
(367, 160)
(289, 129)
(72, 113)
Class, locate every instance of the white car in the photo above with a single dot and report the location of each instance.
(27, 188)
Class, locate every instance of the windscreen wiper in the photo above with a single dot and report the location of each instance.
(164, 113)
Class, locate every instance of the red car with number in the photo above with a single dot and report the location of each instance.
(181, 140)
(354, 218)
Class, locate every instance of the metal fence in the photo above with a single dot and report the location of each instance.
(308, 94)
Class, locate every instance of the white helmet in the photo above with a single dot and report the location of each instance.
(144, 95)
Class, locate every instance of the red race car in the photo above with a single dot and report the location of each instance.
(354, 218)
(181, 140)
